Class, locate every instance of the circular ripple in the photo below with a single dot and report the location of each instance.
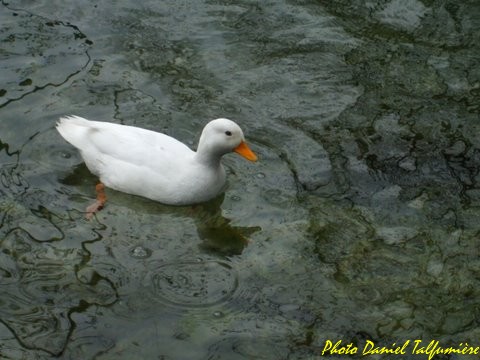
(194, 284)
(140, 252)
(48, 152)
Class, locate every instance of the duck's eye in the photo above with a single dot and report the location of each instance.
(228, 133)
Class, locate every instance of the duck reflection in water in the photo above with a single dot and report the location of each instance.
(215, 231)
(217, 234)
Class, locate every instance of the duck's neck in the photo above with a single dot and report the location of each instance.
(208, 154)
(207, 157)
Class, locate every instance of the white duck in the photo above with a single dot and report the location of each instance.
(154, 165)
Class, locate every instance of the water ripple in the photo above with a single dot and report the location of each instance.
(194, 284)
(40, 290)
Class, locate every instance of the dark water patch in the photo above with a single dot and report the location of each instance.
(34, 49)
(244, 347)
(42, 292)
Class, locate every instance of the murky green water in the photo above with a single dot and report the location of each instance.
(360, 222)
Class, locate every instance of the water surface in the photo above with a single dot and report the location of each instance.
(359, 222)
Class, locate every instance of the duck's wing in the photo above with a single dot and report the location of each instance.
(125, 143)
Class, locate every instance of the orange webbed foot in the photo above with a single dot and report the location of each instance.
(99, 202)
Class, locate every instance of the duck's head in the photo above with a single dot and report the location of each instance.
(222, 136)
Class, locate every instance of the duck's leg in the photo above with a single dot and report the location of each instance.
(99, 203)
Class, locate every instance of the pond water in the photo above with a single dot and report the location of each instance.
(359, 222)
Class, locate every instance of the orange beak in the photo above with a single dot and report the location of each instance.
(245, 151)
